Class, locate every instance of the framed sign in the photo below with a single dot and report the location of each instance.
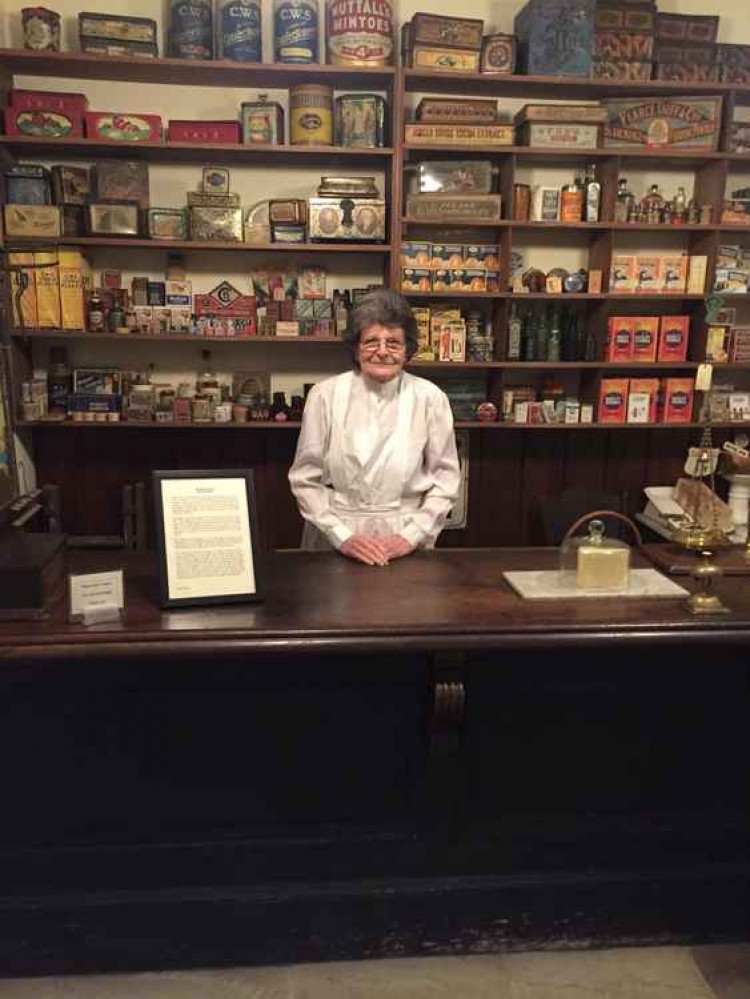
(207, 537)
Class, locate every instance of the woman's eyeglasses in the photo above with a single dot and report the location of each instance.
(373, 344)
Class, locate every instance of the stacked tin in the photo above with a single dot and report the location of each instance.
(686, 48)
(295, 31)
(624, 40)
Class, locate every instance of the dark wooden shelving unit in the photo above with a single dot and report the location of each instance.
(220, 246)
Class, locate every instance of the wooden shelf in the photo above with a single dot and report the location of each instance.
(597, 426)
(537, 296)
(168, 337)
(133, 425)
(188, 152)
(133, 243)
(189, 72)
(590, 226)
(680, 157)
(642, 366)
(553, 87)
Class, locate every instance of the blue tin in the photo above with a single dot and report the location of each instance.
(238, 29)
(295, 31)
(191, 30)
(556, 37)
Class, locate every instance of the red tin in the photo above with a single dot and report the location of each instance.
(123, 126)
(43, 123)
(204, 131)
(47, 100)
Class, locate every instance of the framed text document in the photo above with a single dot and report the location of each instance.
(207, 537)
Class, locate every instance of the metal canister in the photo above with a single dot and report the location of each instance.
(238, 30)
(295, 31)
(359, 32)
(41, 29)
(311, 115)
(191, 29)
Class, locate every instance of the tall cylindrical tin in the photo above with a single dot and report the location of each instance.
(191, 31)
(311, 115)
(238, 30)
(359, 32)
(295, 30)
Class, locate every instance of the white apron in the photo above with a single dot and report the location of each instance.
(367, 496)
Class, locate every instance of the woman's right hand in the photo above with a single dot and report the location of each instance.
(368, 550)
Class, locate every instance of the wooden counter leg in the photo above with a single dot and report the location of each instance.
(445, 729)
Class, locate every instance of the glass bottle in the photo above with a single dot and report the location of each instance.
(59, 380)
(593, 195)
(528, 337)
(115, 318)
(96, 323)
(625, 200)
(515, 328)
(279, 408)
(554, 337)
(680, 206)
(571, 202)
(653, 205)
(591, 352)
(542, 335)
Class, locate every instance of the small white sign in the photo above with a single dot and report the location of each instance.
(96, 592)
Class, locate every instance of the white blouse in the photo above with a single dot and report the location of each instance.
(375, 458)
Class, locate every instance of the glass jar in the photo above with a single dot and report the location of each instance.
(595, 562)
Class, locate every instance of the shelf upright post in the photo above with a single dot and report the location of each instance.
(397, 176)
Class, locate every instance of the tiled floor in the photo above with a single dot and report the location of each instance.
(716, 972)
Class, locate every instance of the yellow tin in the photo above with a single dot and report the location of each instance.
(311, 115)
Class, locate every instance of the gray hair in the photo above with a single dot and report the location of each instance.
(382, 308)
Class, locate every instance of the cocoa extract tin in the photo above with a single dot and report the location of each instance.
(311, 115)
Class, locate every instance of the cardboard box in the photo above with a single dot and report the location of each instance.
(638, 407)
(645, 386)
(648, 275)
(645, 338)
(674, 268)
(674, 333)
(620, 338)
(72, 267)
(416, 253)
(697, 270)
(28, 297)
(622, 277)
(47, 291)
(613, 400)
(678, 400)
(717, 344)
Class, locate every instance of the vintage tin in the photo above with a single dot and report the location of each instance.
(166, 223)
(623, 45)
(295, 31)
(122, 126)
(198, 199)
(444, 59)
(287, 211)
(457, 111)
(359, 32)
(121, 180)
(191, 32)
(668, 123)
(112, 218)
(41, 29)
(311, 115)
(72, 220)
(565, 114)
(449, 176)
(46, 100)
(446, 32)
(454, 208)
(633, 15)
(262, 122)
(206, 132)
(118, 30)
(459, 136)
(105, 46)
(28, 184)
(560, 136)
(360, 121)
(734, 63)
(623, 70)
(215, 180)
(216, 224)
(739, 137)
(555, 37)
(686, 72)
(347, 219)
(499, 53)
(687, 27)
(521, 202)
(286, 232)
(70, 185)
(41, 124)
(347, 187)
(31, 221)
(691, 54)
(238, 30)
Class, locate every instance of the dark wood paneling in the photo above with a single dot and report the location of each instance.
(543, 475)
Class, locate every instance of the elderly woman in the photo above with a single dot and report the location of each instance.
(376, 471)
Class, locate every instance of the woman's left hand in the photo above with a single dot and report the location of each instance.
(396, 546)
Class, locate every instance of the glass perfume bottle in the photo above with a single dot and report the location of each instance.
(593, 195)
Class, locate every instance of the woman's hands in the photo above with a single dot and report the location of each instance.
(376, 551)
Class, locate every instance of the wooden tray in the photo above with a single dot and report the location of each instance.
(675, 561)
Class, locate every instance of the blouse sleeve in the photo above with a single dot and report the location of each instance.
(441, 464)
(307, 471)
